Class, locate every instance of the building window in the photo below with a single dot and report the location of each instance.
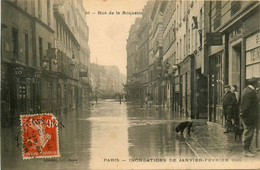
(174, 31)
(15, 42)
(217, 20)
(235, 7)
(177, 54)
(57, 30)
(60, 33)
(49, 48)
(180, 11)
(25, 5)
(68, 17)
(163, 6)
(185, 45)
(177, 13)
(196, 40)
(26, 48)
(39, 9)
(33, 8)
(200, 21)
(49, 12)
(64, 39)
(188, 47)
(181, 50)
(40, 50)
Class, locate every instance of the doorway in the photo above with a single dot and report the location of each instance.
(236, 67)
(216, 88)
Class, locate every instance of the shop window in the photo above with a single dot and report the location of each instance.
(235, 7)
(253, 63)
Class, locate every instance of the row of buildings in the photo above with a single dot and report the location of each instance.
(182, 53)
(107, 81)
(45, 57)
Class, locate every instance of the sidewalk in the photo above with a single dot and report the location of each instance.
(209, 141)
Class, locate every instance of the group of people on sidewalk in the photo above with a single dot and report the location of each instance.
(242, 111)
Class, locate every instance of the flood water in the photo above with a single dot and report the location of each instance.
(107, 134)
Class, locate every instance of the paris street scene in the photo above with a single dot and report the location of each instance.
(124, 84)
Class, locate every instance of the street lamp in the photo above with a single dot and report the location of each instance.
(174, 68)
(45, 62)
(159, 68)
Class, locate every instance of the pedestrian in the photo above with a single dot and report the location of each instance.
(229, 101)
(236, 106)
(146, 101)
(150, 100)
(249, 114)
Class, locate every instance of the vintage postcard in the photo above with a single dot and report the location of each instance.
(130, 84)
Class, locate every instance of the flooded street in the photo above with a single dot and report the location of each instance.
(121, 132)
(105, 134)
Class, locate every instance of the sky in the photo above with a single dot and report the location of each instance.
(108, 32)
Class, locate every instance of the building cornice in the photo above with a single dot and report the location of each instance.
(238, 16)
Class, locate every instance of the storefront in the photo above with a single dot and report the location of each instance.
(19, 91)
(233, 61)
(186, 90)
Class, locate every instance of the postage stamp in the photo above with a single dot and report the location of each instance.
(39, 136)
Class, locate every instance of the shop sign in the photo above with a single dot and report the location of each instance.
(37, 74)
(83, 74)
(214, 39)
(185, 67)
(235, 33)
(51, 53)
(18, 71)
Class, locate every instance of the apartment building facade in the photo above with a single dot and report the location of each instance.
(33, 62)
(197, 47)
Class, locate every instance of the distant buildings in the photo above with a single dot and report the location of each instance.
(45, 57)
(107, 81)
(195, 48)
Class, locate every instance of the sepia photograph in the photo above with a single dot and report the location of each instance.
(130, 84)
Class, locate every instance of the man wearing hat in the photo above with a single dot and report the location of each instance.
(229, 101)
(249, 114)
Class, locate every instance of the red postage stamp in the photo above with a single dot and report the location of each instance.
(39, 136)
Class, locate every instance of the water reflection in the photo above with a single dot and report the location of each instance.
(151, 135)
(109, 137)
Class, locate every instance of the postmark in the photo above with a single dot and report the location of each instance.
(39, 136)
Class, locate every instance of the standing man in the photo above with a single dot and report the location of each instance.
(236, 107)
(249, 114)
(229, 101)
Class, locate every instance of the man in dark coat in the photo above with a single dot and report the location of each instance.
(229, 101)
(249, 114)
